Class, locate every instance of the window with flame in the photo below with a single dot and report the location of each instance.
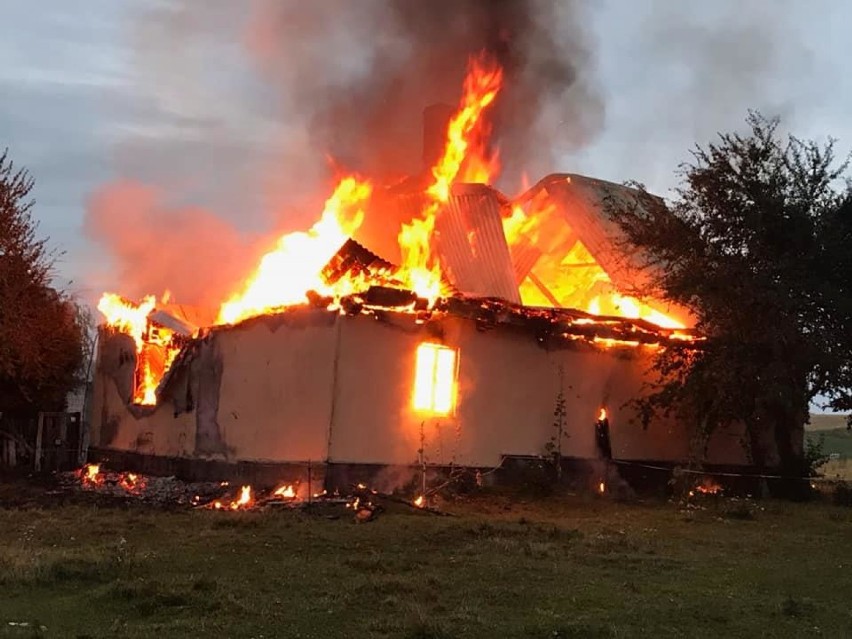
(435, 379)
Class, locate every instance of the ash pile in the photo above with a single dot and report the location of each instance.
(363, 503)
(157, 491)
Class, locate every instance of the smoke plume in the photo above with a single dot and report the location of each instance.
(203, 258)
(368, 69)
(236, 108)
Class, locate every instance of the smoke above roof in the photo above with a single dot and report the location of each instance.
(239, 112)
(360, 74)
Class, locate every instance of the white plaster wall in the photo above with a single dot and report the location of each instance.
(507, 392)
(275, 393)
(278, 381)
(508, 387)
(159, 433)
(373, 421)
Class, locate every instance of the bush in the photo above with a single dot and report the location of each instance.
(815, 455)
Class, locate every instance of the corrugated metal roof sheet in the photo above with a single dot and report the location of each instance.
(472, 246)
(582, 203)
(352, 258)
(183, 318)
(524, 257)
(469, 240)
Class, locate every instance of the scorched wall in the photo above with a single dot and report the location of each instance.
(314, 385)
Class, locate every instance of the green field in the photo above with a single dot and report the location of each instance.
(831, 433)
(566, 567)
(833, 441)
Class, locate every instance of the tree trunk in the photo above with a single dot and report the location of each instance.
(787, 425)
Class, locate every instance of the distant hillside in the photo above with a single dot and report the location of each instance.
(826, 422)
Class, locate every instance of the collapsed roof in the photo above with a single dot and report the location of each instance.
(574, 252)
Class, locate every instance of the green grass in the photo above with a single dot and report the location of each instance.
(502, 568)
(838, 440)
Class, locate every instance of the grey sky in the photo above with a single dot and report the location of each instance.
(97, 90)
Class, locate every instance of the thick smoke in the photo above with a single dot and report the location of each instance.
(371, 67)
(242, 108)
(203, 254)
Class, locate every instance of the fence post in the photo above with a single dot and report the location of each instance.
(38, 445)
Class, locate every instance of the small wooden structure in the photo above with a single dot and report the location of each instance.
(52, 441)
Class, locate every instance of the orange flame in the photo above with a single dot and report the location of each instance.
(466, 132)
(285, 492)
(521, 227)
(126, 316)
(155, 347)
(245, 500)
(625, 306)
(131, 482)
(708, 487)
(294, 267)
(420, 501)
(481, 85)
(601, 488)
(90, 475)
(564, 273)
(602, 414)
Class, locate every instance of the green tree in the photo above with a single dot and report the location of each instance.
(757, 241)
(42, 331)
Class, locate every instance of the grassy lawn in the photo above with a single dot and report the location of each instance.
(556, 568)
(838, 441)
(566, 567)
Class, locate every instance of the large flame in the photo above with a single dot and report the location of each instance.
(127, 317)
(294, 267)
(523, 229)
(563, 272)
(467, 134)
(552, 267)
(156, 349)
(481, 86)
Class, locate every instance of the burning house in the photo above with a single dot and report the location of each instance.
(451, 338)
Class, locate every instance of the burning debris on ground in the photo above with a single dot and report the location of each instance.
(169, 492)
(148, 489)
(697, 490)
(707, 486)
